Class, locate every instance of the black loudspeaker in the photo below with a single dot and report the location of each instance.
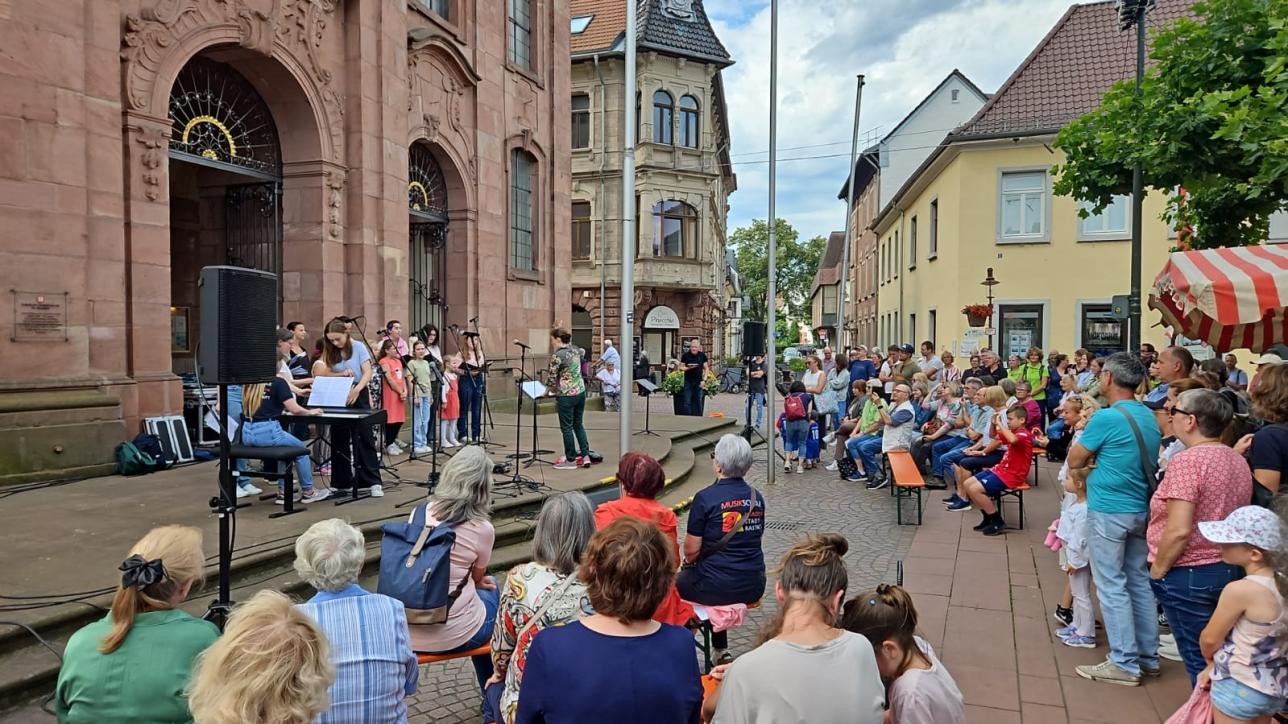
(753, 339)
(238, 326)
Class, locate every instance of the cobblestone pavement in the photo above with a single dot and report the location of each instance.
(814, 501)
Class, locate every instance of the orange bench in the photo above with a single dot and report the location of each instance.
(907, 483)
(1038, 452)
(1018, 495)
(422, 659)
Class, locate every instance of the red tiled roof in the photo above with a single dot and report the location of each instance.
(1068, 73)
(829, 265)
(608, 23)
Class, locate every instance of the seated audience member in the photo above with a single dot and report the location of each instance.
(867, 432)
(1024, 398)
(921, 689)
(985, 452)
(806, 669)
(271, 665)
(723, 560)
(1011, 472)
(617, 665)
(462, 500)
(849, 421)
(899, 429)
(542, 594)
(641, 478)
(133, 664)
(1206, 481)
(945, 430)
(370, 646)
(972, 423)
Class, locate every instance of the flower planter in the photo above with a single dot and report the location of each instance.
(975, 320)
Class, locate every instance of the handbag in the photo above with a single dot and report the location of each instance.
(1196, 710)
(1148, 463)
(724, 541)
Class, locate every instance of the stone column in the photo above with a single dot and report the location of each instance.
(313, 243)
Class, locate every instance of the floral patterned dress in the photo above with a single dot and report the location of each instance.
(524, 593)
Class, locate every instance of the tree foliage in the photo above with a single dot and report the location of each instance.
(796, 262)
(1210, 126)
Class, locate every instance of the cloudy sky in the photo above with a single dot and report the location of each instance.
(904, 48)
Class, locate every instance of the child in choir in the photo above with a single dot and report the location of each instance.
(421, 397)
(451, 404)
(393, 398)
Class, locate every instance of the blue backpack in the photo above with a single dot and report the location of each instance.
(415, 568)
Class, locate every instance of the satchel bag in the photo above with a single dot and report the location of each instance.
(416, 568)
(1148, 463)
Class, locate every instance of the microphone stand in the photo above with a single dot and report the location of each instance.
(518, 484)
(537, 452)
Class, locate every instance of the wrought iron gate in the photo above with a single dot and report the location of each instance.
(427, 277)
(253, 228)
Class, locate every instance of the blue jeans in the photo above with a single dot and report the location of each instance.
(235, 413)
(864, 449)
(942, 447)
(1240, 701)
(948, 460)
(1055, 430)
(269, 433)
(694, 397)
(1121, 573)
(470, 391)
(482, 664)
(1188, 595)
(794, 434)
(420, 431)
(756, 400)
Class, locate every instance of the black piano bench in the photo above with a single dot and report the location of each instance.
(283, 457)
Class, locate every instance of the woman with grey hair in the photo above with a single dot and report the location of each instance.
(723, 560)
(541, 594)
(370, 645)
(462, 501)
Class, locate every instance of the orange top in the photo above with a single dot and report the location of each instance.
(672, 610)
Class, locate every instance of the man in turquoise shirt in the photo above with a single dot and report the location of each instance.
(1117, 514)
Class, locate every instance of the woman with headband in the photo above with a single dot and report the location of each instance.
(133, 664)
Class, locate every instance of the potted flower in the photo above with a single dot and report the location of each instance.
(977, 314)
(710, 384)
(672, 385)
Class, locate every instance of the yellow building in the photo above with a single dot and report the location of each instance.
(983, 199)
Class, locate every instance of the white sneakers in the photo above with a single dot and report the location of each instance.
(422, 450)
(377, 491)
(829, 438)
(317, 494)
(393, 449)
(832, 467)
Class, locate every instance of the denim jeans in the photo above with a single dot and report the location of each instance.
(234, 414)
(482, 664)
(864, 449)
(571, 409)
(420, 431)
(694, 397)
(756, 400)
(1188, 595)
(948, 460)
(1119, 568)
(794, 434)
(1055, 430)
(943, 446)
(470, 390)
(269, 433)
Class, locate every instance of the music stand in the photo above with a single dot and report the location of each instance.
(649, 388)
(536, 452)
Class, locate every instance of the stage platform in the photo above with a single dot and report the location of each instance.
(69, 539)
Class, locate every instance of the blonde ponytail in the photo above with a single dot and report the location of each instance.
(252, 397)
(174, 552)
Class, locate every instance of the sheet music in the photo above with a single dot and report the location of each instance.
(533, 389)
(330, 391)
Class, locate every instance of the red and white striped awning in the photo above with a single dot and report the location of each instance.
(1231, 298)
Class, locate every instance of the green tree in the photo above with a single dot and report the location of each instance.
(1211, 120)
(796, 262)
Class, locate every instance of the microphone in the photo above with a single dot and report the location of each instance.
(517, 342)
(474, 320)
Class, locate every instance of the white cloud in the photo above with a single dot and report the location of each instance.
(903, 47)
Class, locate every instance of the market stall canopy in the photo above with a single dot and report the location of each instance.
(1230, 298)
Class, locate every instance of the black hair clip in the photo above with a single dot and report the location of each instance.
(138, 572)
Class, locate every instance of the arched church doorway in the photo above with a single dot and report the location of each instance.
(225, 189)
(427, 217)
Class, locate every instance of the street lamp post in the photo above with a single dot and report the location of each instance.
(990, 282)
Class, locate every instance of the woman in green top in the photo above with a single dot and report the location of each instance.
(133, 664)
(1035, 372)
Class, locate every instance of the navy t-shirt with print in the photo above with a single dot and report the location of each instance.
(715, 511)
(274, 404)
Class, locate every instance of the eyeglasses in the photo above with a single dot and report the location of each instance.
(1178, 411)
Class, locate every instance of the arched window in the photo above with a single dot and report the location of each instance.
(663, 118)
(675, 229)
(522, 215)
(690, 129)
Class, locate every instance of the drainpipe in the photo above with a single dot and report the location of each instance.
(603, 205)
(898, 256)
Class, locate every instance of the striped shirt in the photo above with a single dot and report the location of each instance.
(371, 649)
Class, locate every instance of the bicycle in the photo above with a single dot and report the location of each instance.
(731, 380)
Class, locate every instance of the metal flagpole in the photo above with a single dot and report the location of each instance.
(771, 300)
(844, 280)
(627, 300)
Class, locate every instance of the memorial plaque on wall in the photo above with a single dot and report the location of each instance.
(39, 316)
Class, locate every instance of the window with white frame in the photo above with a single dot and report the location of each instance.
(522, 228)
(675, 229)
(520, 33)
(1023, 206)
(1110, 223)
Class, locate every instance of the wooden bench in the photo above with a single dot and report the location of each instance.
(422, 659)
(906, 482)
(1018, 495)
(703, 626)
(1038, 452)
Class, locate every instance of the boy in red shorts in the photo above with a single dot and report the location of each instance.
(1011, 472)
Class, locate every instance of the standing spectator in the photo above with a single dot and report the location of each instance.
(370, 646)
(886, 370)
(617, 665)
(1265, 359)
(134, 663)
(1071, 530)
(951, 373)
(903, 369)
(992, 365)
(271, 665)
(1148, 353)
(1013, 364)
(1057, 367)
(695, 365)
(861, 367)
(1269, 445)
(803, 653)
(1204, 482)
(838, 387)
(756, 389)
(542, 594)
(570, 399)
(1124, 441)
(828, 362)
(1174, 363)
(815, 380)
(931, 366)
(610, 385)
(724, 562)
(1035, 371)
(795, 426)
